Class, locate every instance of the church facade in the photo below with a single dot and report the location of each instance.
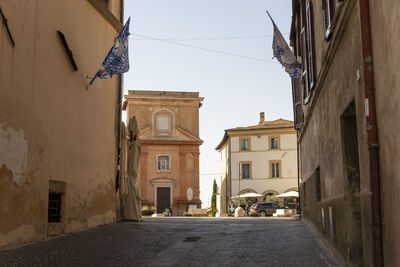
(169, 133)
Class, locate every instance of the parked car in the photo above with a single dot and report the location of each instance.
(263, 209)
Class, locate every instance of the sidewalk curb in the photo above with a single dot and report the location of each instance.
(323, 242)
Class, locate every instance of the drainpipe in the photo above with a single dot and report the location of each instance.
(298, 174)
(119, 110)
(372, 133)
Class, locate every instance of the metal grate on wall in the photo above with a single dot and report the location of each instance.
(54, 212)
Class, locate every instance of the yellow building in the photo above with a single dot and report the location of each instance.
(260, 159)
(169, 134)
(58, 153)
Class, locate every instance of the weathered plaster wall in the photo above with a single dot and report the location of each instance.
(385, 16)
(14, 151)
(51, 127)
(321, 144)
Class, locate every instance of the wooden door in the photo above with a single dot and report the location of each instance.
(163, 198)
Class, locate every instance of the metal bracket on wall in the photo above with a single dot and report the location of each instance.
(8, 29)
(67, 50)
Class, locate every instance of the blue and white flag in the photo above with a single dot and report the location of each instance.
(117, 59)
(283, 53)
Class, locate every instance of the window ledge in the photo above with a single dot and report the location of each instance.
(164, 171)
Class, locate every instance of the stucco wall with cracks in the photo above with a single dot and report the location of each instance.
(51, 126)
(14, 151)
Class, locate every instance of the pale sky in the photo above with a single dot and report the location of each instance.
(236, 88)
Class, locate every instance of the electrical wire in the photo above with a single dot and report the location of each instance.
(214, 38)
(206, 49)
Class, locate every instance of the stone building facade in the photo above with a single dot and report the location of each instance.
(346, 110)
(58, 140)
(169, 133)
(261, 159)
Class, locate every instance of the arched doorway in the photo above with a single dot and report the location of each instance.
(247, 191)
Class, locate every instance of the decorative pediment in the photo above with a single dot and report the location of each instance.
(180, 135)
(161, 180)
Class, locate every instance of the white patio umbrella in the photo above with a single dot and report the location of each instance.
(289, 194)
(254, 195)
(132, 208)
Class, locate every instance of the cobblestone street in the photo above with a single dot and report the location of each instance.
(180, 242)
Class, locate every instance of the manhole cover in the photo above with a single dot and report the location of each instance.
(192, 239)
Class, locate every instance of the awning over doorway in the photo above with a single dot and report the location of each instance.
(247, 195)
(289, 194)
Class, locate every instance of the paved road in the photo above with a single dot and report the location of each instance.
(180, 242)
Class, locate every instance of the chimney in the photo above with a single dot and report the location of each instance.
(262, 118)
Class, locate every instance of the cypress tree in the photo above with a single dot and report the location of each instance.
(214, 199)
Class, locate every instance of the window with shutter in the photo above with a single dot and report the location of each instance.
(304, 61)
(245, 170)
(298, 110)
(309, 53)
(274, 142)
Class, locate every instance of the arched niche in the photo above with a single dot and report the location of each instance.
(163, 122)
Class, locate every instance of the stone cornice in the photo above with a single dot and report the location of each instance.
(255, 132)
(130, 98)
(170, 142)
(162, 180)
(106, 13)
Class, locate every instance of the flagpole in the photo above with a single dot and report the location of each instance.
(95, 76)
(273, 22)
(87, 86)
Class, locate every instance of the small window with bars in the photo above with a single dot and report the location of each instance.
(54, 210)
